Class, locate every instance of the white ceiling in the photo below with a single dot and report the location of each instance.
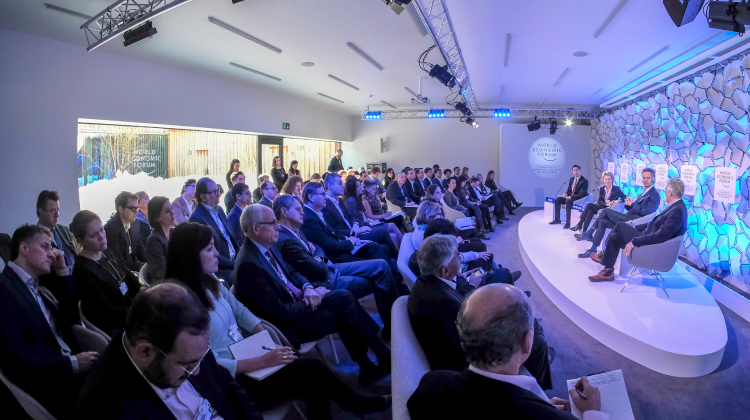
(545, 34)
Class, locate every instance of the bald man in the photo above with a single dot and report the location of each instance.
(496, 326)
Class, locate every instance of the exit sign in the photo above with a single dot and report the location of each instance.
(285, 126)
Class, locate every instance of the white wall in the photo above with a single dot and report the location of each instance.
(425, 142)
(516, 171)
(47, 85)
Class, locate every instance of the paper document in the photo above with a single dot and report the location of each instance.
(394, 215)
(615, 401)
(253, 347)
(355, 249)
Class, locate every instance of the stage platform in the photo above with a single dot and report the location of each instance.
(683, 335)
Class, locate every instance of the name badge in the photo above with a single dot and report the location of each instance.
(130, 250)
(204, 411)
(234, 332)
(123, 288)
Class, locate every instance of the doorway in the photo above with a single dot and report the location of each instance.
(268, 148)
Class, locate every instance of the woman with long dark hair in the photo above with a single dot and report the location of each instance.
(372, 207)
(355, 211)
(490, 183)
(161, 220)
(192, 259)
(388, 178)
(278, 174)
(233, 167)
(293, 171)
(480, 211)
(293, 186)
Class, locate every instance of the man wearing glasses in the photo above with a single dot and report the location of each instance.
(209, 213)
(241, 197)
(270, 192)
(161, 366)
(124, 232)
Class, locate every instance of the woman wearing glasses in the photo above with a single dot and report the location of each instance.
(105, 286)
(161, 220)
(192, 259)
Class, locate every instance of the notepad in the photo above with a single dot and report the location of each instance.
(615, 401)
(253, 347)
(394, 215)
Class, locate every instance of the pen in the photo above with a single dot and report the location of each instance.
(268, 348)
(581, 394)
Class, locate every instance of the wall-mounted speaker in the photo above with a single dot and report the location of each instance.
(683, 12)
(382, 145)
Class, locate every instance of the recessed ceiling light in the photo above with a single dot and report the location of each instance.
(580, 54)
(308, 64)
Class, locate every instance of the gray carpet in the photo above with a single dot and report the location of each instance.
(653, 396)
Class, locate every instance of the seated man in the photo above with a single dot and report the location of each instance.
(424, 176)
(578, 187)
(398, 195)
(361, 277)
(161, 367)
(414, 188)
(670, 223)
(375, 176)
(438, 178)
(257, 194)
(184, 205)
(241, 198)
(646, 203)
(434, 302)
(142, 216)
(209, 213)
(488, 199)
(236, 178)
(39, 352)
(495, 328)
(270, 192)
(124, 232)
(274, 291)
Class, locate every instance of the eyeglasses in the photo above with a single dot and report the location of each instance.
(274, 223)
(188, 371)
(53, 212)
(133, 209)
(272, 188)
(214, 192)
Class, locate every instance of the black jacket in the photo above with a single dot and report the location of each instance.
(582, 188)
(416, 191)
(644, 204)
(116, 390)
(118, 242)
(334, 218)
(335, 165)
(397, 194)
(202, 216)
(257, 195)
(279, 177)
(615, 194)
(156, 256)
(425, 182)
(467, 395)
(665, 226)
(266, 202)
(298, 255)
(437, 181)
(322, 235)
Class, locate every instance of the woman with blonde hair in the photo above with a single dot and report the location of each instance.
(428, 211)
(609, 195)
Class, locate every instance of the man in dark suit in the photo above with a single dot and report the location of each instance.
(40, 353)
(142, 216)
(241, 199)
(257, 193)
(161, 367)
(670, 223)
(4, 250)
(361, 278)
(414, 188)
(495, 327)
(335, 164)
(236, 178)
(209, 213)
(399, 195)
(124, 232)
(274, 291)
(270, 191)
(433, 306)
(578, 187)
(424, 175)
(646, 203)
(438, 178)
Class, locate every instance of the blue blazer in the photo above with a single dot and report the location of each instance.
(395, 194)
(201, 215)
(645, 204)
(615, 194)
(671, 223)
(233, 223)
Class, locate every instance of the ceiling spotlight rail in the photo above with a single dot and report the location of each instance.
(435, 16)
(122, 16)
(490, 113)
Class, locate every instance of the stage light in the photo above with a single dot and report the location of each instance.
(568, 122)
(436, 113)
(552, 126)
(535, 125)
(463, 108)
(375, 115)
(502, 113)
(396, 5)
(138, 34)
(443, 76)
(472, 122)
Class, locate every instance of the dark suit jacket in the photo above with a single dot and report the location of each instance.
(266, 202)
(615, 194)
(145, 231)
(156, 256)
(437, 181)
(324, 236)
(467, 395)
(118, 241)
(233, 224)
(425, 182)
(202, 216)
(228, 201)
(335, 164)
(334, 218)
(667, 225)
(68, 242)
(5, 247)
(262, 291)
(582, 188)
(298, 255)
(645, 204)
(445, 182)
(433, 308)
(257, 195)
(397, 194)
(416, 192)
(116, 390)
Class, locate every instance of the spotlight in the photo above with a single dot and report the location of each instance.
(724, 15)
(552, 126)
(138, 34)
(237, 1)
(436, 113)
(463, 108)
(443, 75)
(472, 122)
(568, 122)
(395, 5)
(502, 113)
(375, 115)
(535, 125)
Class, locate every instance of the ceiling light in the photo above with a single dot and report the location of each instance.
(472, 122)
(138, 34)
(461, 106)
(67, 11)
(436, 113)
(609, 18)
(502, 113)
(535, 125)
(580, 54)
(647, 59)
(307, 64)
(442, 74)
(365, 56)
(683, 12)
(259, 73)
(330, 97)
(552, 126)
(388, 104)
(243, 34)
(507, 50)
(396, 5)
(343, 82)
(568, 122)
(559, 79)
(375, 115)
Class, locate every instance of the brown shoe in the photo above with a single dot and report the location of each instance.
(608, 274)
(597, 258)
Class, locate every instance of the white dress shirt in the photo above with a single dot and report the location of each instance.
(189, 204)
(214, 212)
(529, 383)
(335, 202)
(450, 283)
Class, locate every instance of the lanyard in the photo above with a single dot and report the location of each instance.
(118, 278)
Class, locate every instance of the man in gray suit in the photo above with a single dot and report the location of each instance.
(184, 205)
(48, 212)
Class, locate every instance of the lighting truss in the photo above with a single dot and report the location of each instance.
(435, 16)
(490, 113)
(121, 16)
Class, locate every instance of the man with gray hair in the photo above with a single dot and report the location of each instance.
(495, 325)
(399, 195)
(434, 303)
(670, 223)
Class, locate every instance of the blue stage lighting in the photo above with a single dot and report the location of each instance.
(373, 116)
(502, 113)
(436, 113)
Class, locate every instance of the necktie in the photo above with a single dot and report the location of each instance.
(59, 245)
(575, 181)
(293, 290)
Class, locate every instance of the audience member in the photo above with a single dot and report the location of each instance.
(4, 250)
(414, 188)
(316, 177)
(242, 199)
(293, 171)
(341, 173)
(609, 195)
(448, 175)
(496, 329)
(388, 178)
(434, 192)
(375, 177)
(351, 172)
(424, 176)
(142, 216)
(210, 214)
(161, 218)
(278, 174)
(464, 172)
(234, 166)
(161, 366)
(124, 233)
(184, 205)
(428, 211)
(335, 164)
(480, 211)
(270, 192)
(372, 208)
(399, 196)
(438, 178)
(670, 223)
(494, 196)
(578, 188)
(273, 290)
(507, 194)
(105, 286)
(354, 211)
(492, 201)
(39, 352)
(237, 178)
(293, 186)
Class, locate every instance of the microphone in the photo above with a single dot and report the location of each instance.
(558, 190)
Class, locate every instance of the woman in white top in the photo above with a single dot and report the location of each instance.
(192, 259)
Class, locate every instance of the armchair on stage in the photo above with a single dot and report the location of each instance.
(575, 214)
(657, 258)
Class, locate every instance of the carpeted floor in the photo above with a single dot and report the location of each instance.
(653, 396)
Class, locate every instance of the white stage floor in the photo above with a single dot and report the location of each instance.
(683, 335)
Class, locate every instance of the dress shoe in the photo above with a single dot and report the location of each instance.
(556, 222)
(576, 228)
(369, 405)
(597, 258)
(515, 275)
(607, 274)
(566, 226)
(583, 237)
(511, 213)
(586, 254)
(519, 204)
(502, 218)
(527, 293)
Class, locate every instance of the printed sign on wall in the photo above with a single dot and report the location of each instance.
(611, 167)
(689, 176)
(662, 175)
(724, 184)
(639, 173)
(546, 157)
(624, 169)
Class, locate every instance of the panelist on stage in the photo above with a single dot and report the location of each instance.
(578, 187)
(672, 222)
(609, 195)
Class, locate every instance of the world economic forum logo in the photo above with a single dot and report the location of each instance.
(546, 157)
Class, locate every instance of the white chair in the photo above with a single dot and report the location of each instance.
(143, 274)
(409, 362)
(462, 222)
(407, 248)
(90, 326)
(90, 340)
(657, 258)
(392, 207)
(27, 402)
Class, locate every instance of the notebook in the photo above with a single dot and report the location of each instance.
(253, 347)
(394, 215)
(615, 401)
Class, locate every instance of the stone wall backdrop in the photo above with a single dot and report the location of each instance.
(701, 121)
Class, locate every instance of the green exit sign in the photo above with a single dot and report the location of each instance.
(285, 126)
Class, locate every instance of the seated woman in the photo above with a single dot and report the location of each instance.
(355, 211)
(192, 259)
(428, 211)
(609, 195)
(161, 219)
(507, 194)
(374, 210)
(293, 171)
(105, 286)
(389, 177)
(293, 186)
(453, 198)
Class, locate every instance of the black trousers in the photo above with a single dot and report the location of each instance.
(496, 201)
(620, 236)
(588, 213)
(559, 201)
(510, 198)
(538, 362)
(607, 220)
(379, 234)
(481, 212)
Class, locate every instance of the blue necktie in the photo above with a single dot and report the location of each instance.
(58, 243)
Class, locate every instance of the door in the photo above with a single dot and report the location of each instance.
(269, 148)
